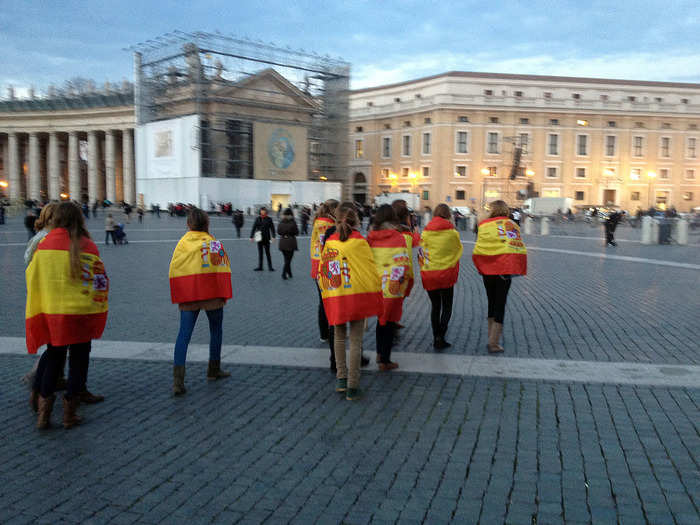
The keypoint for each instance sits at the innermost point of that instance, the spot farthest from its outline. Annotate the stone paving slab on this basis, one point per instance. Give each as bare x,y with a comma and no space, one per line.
278,445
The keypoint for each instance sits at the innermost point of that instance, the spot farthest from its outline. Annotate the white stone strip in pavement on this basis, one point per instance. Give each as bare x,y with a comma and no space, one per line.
627,258
150,241
643,374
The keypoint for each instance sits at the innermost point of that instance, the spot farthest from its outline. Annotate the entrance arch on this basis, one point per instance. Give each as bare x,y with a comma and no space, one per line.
359,187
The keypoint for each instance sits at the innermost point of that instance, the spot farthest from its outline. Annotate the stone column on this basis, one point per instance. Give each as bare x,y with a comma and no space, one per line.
110,171
74,167
92,167
13,166
54,175
34,186
128,167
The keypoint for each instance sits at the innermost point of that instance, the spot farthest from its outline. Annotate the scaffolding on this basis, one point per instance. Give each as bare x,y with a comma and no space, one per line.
211,75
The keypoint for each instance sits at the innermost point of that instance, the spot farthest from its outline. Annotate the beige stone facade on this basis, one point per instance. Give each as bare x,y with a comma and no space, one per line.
451,138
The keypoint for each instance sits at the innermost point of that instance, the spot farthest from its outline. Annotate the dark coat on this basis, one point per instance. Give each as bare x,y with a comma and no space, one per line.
287,230
237,219
265,226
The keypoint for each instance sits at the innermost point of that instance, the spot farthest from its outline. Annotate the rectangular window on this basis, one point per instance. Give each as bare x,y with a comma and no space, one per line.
634,196
687,195
358,129
604,98
493,120
462,118
636,174
524,120
663,173
427,143
576,96
385,173
426,120
406,146
459,195
462,142
525,142
493,142
692,144
492,171
637,146
488,92
552,172
426,195
239,136
460,171
553,148
547,95
518,93
553,121
610,143
404,172
358,149
386,147
205,149
578,196
426,171
580,173
665,147
582,145
690,174
612,124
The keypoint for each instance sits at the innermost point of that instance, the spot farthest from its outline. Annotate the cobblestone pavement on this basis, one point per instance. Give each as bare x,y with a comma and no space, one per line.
278,445
567,307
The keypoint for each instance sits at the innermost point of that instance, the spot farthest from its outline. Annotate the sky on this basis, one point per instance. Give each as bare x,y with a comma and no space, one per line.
385,41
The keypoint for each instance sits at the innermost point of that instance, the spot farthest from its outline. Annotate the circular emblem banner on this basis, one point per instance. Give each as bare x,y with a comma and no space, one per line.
280,148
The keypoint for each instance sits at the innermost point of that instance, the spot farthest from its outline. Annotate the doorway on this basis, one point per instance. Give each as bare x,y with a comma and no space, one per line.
609,197
279,198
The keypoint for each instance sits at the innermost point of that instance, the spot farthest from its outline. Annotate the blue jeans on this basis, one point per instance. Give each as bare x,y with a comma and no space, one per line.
187,322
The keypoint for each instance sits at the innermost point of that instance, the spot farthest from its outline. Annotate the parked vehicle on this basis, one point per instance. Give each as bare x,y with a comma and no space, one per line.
543,206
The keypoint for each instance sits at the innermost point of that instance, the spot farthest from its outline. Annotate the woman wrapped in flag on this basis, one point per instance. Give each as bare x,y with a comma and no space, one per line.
325,219
351,292
499,253
392,260
403,216
438,256
67,289
200,279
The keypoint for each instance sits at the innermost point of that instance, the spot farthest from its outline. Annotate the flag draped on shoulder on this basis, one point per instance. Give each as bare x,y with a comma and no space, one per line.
199,269
350,285
439,254
392,258
499,248
61,309
412,241
318,231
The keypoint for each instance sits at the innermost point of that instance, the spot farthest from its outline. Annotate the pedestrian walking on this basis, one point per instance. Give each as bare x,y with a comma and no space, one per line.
29,221
139,212
67,290
2,213
200,279
438,256
351,291
94,209
238,221
409,231
391,258
305,216
263,233
499,254
110,226
610,225
325,219
287,230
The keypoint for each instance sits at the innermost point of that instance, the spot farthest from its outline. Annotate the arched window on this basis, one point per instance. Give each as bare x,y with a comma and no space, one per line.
360,178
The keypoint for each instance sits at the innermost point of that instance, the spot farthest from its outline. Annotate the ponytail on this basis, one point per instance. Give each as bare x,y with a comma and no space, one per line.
347,220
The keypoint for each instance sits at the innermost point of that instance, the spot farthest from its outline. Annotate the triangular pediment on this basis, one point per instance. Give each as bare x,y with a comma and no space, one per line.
265,86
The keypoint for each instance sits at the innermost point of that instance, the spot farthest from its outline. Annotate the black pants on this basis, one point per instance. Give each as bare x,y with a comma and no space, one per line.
238,231
112,235
609,234
266,245
323,327
441,310
385,340
287,254
497,287
52,362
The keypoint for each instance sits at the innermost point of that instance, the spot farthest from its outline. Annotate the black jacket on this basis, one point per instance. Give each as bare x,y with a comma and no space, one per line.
287,230
237,219
265,226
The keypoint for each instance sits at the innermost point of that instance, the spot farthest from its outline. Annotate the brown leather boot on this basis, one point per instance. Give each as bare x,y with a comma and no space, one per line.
495,338
88,398
214,371
70,418
179,380
45,405
34,400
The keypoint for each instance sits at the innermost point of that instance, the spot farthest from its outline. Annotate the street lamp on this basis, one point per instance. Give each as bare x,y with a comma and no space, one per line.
529,172
485,171
652,176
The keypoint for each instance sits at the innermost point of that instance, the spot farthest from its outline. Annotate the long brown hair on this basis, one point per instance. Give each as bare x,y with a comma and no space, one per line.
442,210
499,209
45,219
402,214
385,213
327,209
69,216
347,220
198,220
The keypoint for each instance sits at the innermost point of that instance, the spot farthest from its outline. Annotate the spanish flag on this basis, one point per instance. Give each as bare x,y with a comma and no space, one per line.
499,249
392,258
62,310
318,231
439,254
350,285
412,241
199,269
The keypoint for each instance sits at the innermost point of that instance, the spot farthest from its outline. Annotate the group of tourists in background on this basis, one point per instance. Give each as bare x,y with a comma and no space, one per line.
357,278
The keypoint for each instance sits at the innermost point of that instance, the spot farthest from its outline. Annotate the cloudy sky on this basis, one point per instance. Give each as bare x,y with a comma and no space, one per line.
385,41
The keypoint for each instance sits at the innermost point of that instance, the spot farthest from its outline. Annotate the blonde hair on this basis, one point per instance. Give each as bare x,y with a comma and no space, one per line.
46,216
499,209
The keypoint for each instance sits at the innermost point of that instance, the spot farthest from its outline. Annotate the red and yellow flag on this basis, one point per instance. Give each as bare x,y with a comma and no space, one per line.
318,231
439,254
499,249
412,241
392,258
350,286
199,269
62,310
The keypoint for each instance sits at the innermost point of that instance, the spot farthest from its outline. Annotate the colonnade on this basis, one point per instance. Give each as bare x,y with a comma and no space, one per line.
49,165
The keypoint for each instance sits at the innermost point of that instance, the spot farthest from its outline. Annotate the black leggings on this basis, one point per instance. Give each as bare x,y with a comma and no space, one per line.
441,311
266,245
287,254
385,340
51,364
497,287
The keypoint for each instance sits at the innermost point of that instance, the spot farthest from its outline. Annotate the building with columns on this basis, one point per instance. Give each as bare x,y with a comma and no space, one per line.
453,138
78,147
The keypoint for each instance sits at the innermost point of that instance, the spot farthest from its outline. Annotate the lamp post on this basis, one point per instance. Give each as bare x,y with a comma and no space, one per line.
651,175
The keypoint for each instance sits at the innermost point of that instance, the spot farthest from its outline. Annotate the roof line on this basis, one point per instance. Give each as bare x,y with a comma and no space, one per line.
511,76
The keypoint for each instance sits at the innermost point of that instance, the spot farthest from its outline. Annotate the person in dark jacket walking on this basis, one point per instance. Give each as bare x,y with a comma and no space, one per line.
29,221
610,226
287,230
305,217
238,221
264,225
